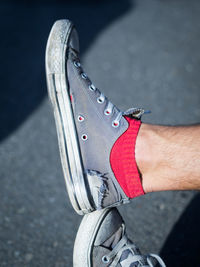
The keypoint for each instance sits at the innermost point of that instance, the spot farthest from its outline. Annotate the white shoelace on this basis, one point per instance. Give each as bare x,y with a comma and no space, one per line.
101,99
135,112
122,246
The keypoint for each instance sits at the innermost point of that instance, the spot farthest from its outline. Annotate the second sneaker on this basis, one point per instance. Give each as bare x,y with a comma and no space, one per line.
101,240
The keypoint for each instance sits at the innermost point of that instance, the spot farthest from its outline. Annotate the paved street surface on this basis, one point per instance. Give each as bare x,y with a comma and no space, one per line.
139,53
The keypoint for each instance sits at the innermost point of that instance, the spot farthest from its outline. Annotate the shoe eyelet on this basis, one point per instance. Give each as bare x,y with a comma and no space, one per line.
84,76
80,118
107,112
115,124
92,87
84,137
99,100
105,259
77,64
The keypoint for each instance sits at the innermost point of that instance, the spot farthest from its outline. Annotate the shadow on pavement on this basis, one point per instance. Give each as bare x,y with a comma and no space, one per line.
182,245
25,26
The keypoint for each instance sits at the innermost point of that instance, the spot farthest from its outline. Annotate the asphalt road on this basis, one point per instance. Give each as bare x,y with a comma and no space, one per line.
139,53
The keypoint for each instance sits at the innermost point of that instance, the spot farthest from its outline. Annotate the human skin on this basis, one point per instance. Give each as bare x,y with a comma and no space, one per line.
168,157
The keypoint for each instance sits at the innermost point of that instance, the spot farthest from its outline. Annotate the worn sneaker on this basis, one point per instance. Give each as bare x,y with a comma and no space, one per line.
98,162
102,241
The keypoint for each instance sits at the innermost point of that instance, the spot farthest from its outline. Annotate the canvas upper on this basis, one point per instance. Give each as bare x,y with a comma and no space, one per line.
88,125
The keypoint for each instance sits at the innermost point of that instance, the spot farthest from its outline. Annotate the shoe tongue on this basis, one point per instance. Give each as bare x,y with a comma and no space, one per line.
113,240
110,231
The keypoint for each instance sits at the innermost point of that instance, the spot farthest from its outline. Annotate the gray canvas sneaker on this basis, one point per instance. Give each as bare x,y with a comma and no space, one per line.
102,241
87,123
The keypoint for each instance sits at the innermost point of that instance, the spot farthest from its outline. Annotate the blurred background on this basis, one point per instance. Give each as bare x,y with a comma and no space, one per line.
139,53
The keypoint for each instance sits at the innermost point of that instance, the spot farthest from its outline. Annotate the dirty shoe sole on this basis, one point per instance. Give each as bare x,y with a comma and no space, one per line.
57,83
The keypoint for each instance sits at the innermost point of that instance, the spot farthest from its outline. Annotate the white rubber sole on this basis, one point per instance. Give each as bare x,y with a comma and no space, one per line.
85,238
58,90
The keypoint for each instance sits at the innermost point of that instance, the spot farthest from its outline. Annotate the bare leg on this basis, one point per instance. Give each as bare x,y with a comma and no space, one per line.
168,157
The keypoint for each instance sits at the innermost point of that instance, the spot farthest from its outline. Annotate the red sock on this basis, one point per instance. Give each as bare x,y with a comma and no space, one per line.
123,163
